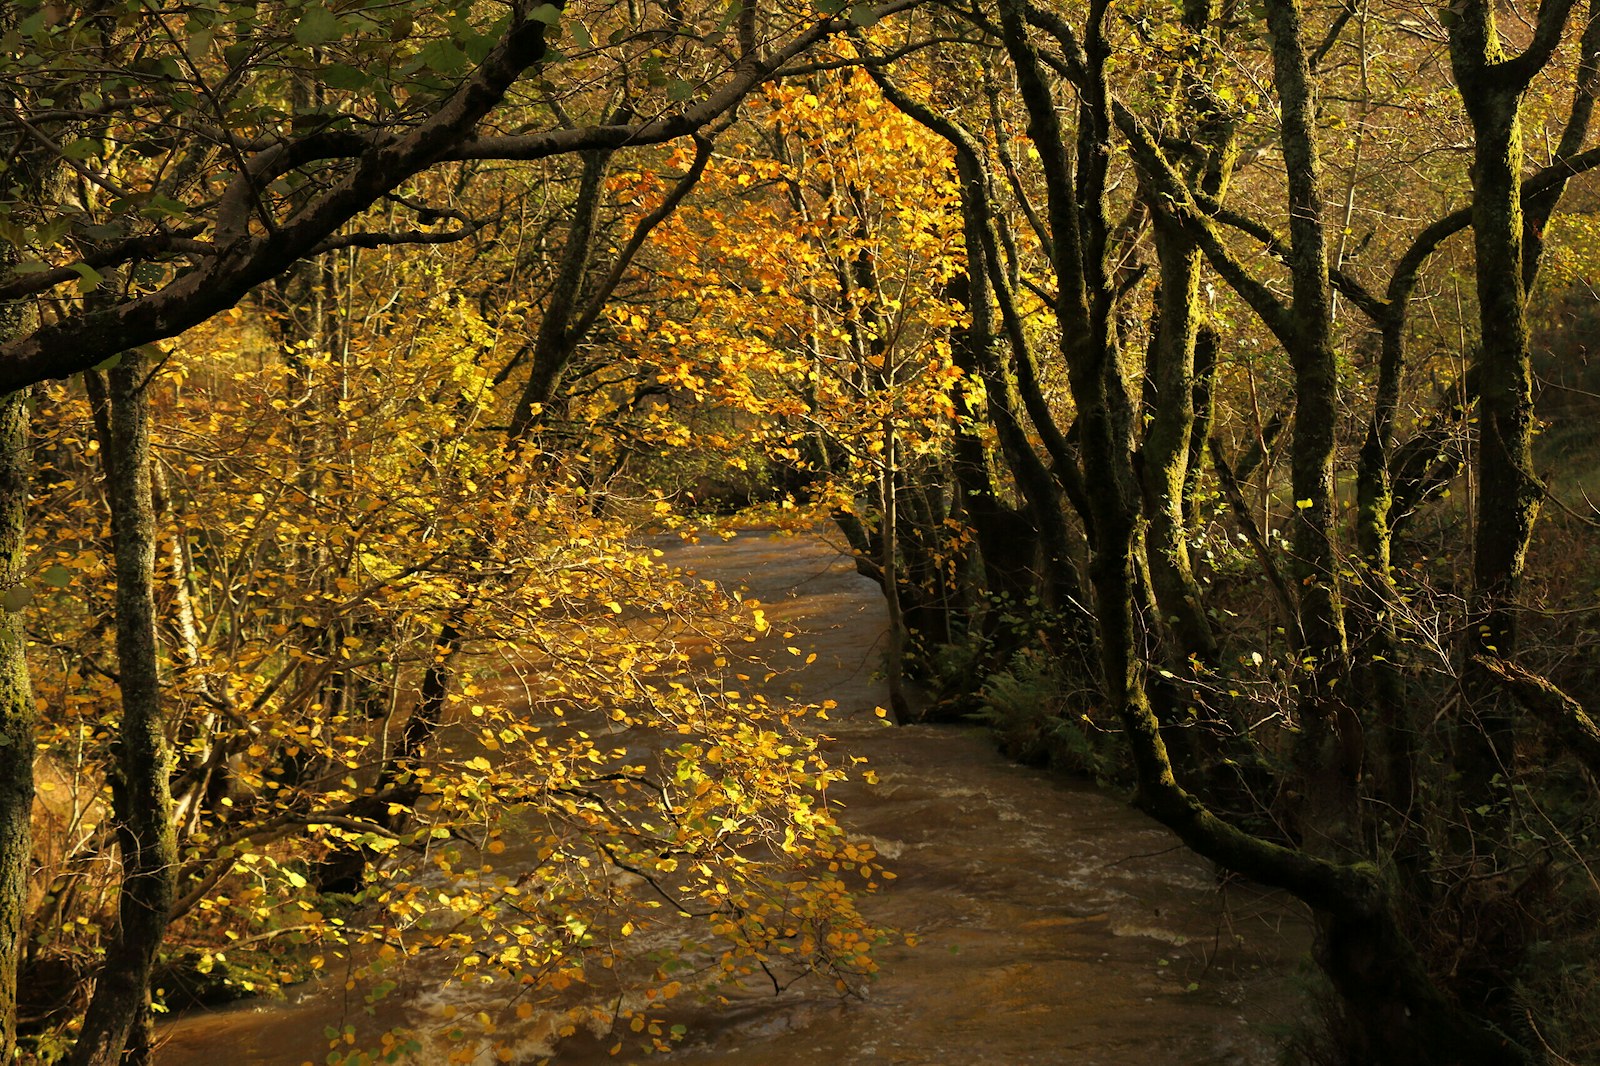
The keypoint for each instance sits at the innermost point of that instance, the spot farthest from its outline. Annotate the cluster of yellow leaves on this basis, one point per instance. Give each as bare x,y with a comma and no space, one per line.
599,812
769,315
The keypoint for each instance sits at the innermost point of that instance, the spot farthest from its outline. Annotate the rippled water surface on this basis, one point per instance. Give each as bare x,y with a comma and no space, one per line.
1055,924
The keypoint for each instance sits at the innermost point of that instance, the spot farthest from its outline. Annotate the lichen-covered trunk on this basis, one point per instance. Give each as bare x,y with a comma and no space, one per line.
16,705
1507,486
141,799
1329,752
1492,90
1171,417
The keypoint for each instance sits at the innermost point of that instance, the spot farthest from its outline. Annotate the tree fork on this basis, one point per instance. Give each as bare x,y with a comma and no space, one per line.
1492,87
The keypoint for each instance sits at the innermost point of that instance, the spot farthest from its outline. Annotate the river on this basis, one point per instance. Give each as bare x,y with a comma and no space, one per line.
1054,924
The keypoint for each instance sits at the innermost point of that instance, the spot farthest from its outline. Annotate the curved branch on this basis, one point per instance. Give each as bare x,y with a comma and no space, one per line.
368,239
141,247
1178,202
1565,716
381,165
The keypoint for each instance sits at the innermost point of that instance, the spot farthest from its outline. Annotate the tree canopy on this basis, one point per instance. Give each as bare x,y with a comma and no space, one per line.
1197,369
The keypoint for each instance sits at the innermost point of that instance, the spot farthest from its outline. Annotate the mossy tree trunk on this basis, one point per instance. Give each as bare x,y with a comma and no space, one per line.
1176,374
1493,86
1170,425
141,800
16,705
1330,746
1362,944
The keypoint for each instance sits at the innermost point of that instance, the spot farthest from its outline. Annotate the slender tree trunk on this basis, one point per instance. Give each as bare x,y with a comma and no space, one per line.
1492,88
1330,748
889,500
1376,649
1171,417
554,342
1205,381
16,705
142,803
22,177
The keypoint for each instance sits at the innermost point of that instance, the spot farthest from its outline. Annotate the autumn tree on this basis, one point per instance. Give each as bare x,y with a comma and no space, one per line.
1174,129
208,152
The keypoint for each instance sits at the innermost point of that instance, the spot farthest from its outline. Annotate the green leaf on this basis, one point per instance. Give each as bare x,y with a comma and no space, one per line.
318,26
442,57
16,598
344,76
863,15
477,46
199,44
549,14
57,577
164,207
81,149
89,278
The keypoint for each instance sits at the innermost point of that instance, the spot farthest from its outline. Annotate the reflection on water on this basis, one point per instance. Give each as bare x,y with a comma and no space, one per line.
1054,924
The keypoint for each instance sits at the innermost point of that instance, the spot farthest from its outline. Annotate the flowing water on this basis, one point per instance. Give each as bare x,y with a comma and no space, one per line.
1055,924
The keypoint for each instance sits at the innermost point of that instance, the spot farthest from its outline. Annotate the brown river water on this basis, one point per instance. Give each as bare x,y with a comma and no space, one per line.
1055,925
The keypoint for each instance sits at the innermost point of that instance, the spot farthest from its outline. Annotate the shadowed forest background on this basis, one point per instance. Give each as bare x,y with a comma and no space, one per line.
1206,386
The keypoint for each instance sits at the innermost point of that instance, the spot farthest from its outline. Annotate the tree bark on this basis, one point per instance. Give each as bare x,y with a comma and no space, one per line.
554,343
141,801
1330,745
1572,725
1179,366
1170,379
1492,88
16,704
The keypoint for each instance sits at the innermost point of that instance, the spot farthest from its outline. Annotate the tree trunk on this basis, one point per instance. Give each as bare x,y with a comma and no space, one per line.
16,706
1170,378
554,343
21,179
142,803
889,498
1329,752
1492,89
